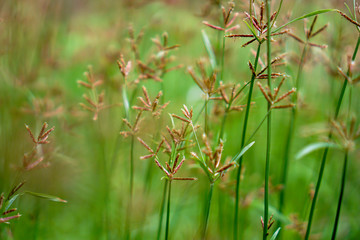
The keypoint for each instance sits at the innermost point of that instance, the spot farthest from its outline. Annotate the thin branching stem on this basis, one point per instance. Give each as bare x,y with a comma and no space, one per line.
207,211
168,212
162,208
343,179
247,111
206,116
227,110
258,127
268,131
323,160
290,135
222,58
131,187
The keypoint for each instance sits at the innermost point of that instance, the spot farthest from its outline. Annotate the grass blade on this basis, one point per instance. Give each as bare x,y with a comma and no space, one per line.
305,16
209,50
276,233
11,201
313,147
242,152
46,196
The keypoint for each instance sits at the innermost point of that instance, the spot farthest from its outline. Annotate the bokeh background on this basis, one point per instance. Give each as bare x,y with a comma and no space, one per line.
45,48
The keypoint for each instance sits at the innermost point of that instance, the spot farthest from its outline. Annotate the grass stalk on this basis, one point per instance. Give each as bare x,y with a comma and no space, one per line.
268,130
267,170
290,134
247,111
206,116
167,228
207,211
227,110
343,179
323,160
131,189
162,208
222,58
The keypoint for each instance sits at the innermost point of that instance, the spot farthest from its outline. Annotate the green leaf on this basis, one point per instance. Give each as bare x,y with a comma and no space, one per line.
209,50
313,147
11,201
126,103
305,16
172,121
275,234
242,152
46,196
349,10
252,31
204,167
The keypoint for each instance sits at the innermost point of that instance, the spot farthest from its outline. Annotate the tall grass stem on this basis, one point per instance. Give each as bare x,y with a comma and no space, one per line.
343,179
323,161
268,131
167,228
247,111
207,211
162,208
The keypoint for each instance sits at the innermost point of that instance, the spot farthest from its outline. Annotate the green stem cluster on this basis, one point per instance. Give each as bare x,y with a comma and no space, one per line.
247,111
324,157
268,131
167,228
343,179
207,211
290,135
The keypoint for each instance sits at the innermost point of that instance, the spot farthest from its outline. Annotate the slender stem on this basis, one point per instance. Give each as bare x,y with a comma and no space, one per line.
289,138
206,113
227,110
131,180
268,131
222,128
236,216
258,127
162,208
132,165
323,161
222,58
118,141
267,170
343,179
168,213
207,211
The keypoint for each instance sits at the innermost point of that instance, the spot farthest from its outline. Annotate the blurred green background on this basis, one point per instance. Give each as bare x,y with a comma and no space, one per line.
46,46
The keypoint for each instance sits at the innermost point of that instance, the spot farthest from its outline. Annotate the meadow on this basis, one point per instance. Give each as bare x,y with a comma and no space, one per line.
179,119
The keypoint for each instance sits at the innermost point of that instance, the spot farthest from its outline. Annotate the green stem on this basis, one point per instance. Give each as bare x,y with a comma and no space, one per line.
267,170
268,132
323,161
222,128
290,135
132,165
206,113
119,138
207,211
258,127
343,179
236,216
162,208
131,180
168,213
227,110
222,58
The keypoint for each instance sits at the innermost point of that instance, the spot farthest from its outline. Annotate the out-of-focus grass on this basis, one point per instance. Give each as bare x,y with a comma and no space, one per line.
46,47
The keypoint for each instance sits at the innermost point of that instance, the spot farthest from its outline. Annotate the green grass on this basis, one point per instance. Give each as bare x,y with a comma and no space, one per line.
113,194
